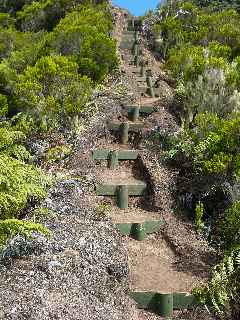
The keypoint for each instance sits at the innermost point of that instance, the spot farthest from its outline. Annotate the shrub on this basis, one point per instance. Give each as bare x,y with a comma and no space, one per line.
230,226
3,105
7,39
98,17
40,15
19,183
58,153
216,144
52,90
199,211
222,291
29,47
6,21
12,6
46,14
13,227
8,78
97,57
84,34
212,93
10,144
186,63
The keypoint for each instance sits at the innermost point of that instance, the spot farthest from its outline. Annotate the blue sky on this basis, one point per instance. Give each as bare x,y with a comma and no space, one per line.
137,7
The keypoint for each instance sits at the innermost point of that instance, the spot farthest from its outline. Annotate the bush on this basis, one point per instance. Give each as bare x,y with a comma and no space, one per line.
29,47
97,57
58,153
19,183
13,227
230,227
10,144
222,291
6,21
3,105
52,90
84,34
211,93
46,14
216,144
40,15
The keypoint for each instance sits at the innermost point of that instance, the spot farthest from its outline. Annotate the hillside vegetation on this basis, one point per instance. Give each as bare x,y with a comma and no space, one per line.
53,54
200,41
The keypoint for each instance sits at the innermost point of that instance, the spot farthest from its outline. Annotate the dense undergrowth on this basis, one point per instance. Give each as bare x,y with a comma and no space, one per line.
53,54
200,42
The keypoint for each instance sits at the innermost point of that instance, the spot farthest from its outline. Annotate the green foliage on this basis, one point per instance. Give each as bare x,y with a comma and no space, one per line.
12,227
29,47
215,150
40,213
97,57
222,291
10,144
198,26
19,183
52,90
186,63
40,15
7,39
58,153
198,221
103,209
45,83
202,48
8,78
84,34
43,14
12,6
94,18
3,105
230,226
6,21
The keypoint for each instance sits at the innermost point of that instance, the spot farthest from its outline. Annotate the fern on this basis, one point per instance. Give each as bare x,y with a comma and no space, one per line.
223,288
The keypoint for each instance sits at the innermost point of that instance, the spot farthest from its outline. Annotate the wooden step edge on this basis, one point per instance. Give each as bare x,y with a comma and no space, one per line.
115,126
150,226
163,303
103,154
138,189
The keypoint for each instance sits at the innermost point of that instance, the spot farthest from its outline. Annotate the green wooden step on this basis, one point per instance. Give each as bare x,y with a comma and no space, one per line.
163,304
129,229
133,127
124,128
143,109
103,154
111,190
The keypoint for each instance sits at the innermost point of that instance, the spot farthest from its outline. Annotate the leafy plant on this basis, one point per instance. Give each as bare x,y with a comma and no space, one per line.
222,291
230,226
97,57
52,90
10,143
13,227
19,184
3,105
58,153
198,221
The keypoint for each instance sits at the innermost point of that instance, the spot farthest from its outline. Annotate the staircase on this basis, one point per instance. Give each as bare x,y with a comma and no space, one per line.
121,181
